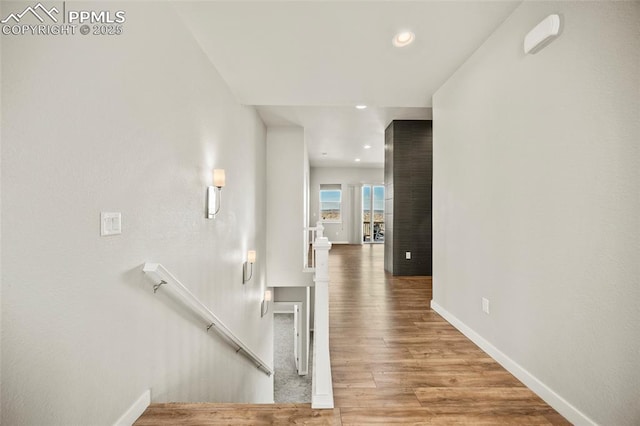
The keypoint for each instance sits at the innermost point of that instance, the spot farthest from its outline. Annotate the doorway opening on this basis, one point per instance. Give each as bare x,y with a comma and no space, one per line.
373,214
292,381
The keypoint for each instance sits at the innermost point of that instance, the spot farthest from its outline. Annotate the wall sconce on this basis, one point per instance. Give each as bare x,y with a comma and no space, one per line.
265,303
542,34
213,193
247,271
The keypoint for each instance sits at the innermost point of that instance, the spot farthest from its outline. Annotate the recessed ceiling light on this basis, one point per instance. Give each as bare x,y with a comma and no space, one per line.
357,160
403,39
367,146
361,107
324,154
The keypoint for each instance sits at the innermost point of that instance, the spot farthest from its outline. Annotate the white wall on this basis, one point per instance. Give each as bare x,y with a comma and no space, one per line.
287,192
287,217
351,180
1,14
536,201
131,123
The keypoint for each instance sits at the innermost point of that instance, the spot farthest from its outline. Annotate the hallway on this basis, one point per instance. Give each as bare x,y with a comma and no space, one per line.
394,360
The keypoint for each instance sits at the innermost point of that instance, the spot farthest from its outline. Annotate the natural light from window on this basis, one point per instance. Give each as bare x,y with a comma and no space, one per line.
331,205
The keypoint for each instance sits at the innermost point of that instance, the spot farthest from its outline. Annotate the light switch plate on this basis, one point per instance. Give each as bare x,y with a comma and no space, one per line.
110,223
485,305
407,255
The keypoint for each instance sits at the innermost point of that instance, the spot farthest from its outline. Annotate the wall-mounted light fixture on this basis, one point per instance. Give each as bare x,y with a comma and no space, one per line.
542,34
265,303
213,193
247,270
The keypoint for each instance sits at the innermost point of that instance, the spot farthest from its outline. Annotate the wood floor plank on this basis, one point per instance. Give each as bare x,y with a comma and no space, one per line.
357,341
375,397
235,414
445,379
446,352
352,379
415,416
482,400
433,365
365,354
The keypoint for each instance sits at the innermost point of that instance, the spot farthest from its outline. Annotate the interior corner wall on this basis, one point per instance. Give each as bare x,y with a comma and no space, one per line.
536,201
307,193
351,179
132,123
287,192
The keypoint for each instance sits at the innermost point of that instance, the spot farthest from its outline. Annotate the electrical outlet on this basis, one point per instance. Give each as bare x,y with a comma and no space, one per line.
485,305
407,255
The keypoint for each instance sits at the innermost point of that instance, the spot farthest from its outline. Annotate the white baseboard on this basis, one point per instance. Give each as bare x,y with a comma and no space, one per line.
321,401
560,404
135,411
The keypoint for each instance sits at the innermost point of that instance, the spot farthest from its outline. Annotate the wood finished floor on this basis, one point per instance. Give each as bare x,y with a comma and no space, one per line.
394,361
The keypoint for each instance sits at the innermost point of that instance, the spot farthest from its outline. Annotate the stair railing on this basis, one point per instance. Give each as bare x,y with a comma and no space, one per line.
165,281
321,385
311,234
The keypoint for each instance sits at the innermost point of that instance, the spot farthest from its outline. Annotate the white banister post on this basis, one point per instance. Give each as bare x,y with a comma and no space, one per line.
322,392
319,230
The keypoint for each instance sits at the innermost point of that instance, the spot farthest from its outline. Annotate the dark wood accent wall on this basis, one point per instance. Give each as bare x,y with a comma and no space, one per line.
408,176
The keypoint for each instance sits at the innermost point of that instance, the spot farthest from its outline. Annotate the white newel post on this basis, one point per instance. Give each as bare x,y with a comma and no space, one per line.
322,392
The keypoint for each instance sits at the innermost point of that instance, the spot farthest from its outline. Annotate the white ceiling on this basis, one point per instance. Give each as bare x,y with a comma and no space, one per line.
342,132
309,62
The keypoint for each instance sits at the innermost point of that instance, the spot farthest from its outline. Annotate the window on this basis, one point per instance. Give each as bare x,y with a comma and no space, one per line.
373,213
331,203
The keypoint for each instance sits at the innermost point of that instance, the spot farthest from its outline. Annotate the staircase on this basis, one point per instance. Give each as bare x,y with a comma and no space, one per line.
236,414
322,412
